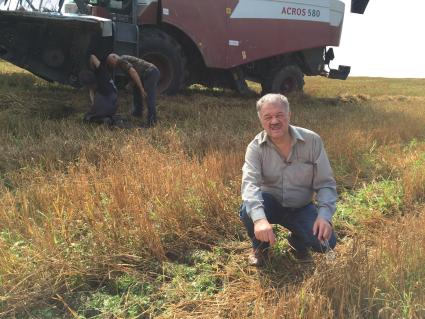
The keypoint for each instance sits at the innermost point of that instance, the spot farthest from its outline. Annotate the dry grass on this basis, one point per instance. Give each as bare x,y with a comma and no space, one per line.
376,274
82,206
136,201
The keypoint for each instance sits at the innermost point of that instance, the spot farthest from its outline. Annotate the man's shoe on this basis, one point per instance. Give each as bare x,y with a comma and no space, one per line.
108,121
302,256
258,257
146,125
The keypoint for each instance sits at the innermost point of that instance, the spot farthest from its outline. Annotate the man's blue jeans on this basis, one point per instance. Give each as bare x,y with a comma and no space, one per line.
150,81
298,220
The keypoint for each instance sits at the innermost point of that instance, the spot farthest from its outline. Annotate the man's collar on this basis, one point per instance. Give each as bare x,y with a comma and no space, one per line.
263,137
295,135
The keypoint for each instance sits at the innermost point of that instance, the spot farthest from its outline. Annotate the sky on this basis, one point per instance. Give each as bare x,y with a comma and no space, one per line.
387,41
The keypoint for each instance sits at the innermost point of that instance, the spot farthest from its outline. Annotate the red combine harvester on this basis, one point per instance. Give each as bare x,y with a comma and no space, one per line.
213,42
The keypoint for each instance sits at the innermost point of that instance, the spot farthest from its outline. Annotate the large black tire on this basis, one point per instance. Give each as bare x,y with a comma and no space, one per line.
284,79
167,54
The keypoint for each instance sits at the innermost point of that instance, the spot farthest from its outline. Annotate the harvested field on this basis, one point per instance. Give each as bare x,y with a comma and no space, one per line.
99,222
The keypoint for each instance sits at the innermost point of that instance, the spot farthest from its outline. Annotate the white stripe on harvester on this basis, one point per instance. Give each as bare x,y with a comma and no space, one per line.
301,10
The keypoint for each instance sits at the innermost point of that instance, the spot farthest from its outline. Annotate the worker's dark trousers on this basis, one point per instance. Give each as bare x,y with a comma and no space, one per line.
103,106
150,81
298,220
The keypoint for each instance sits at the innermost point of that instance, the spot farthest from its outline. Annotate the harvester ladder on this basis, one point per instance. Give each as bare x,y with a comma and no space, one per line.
126,39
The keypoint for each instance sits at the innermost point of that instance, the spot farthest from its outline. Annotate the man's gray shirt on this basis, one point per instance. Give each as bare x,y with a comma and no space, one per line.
293,181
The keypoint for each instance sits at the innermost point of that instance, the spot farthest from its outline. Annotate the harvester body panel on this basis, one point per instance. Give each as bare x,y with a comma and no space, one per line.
229,33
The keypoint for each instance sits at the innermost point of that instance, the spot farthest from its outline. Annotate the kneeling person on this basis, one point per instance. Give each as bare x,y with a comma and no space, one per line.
102,90
284,167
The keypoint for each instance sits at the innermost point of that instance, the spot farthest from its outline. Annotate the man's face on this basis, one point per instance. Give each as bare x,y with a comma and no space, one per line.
274,120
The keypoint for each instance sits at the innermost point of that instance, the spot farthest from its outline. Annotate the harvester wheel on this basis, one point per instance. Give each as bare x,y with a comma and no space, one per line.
162,50
284,79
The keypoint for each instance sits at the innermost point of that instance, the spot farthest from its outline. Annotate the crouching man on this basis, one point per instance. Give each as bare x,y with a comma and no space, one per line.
285,166
102,91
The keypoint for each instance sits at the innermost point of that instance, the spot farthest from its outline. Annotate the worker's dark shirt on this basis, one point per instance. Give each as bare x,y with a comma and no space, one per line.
125,62
105,84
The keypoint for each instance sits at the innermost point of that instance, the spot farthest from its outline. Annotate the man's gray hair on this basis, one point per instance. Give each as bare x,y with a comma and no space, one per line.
273,98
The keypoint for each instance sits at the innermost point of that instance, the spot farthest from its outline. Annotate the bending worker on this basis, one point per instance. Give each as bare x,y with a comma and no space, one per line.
145,77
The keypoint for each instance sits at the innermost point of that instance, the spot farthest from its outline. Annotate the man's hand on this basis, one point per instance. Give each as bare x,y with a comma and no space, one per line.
322,229
264,232
137,81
